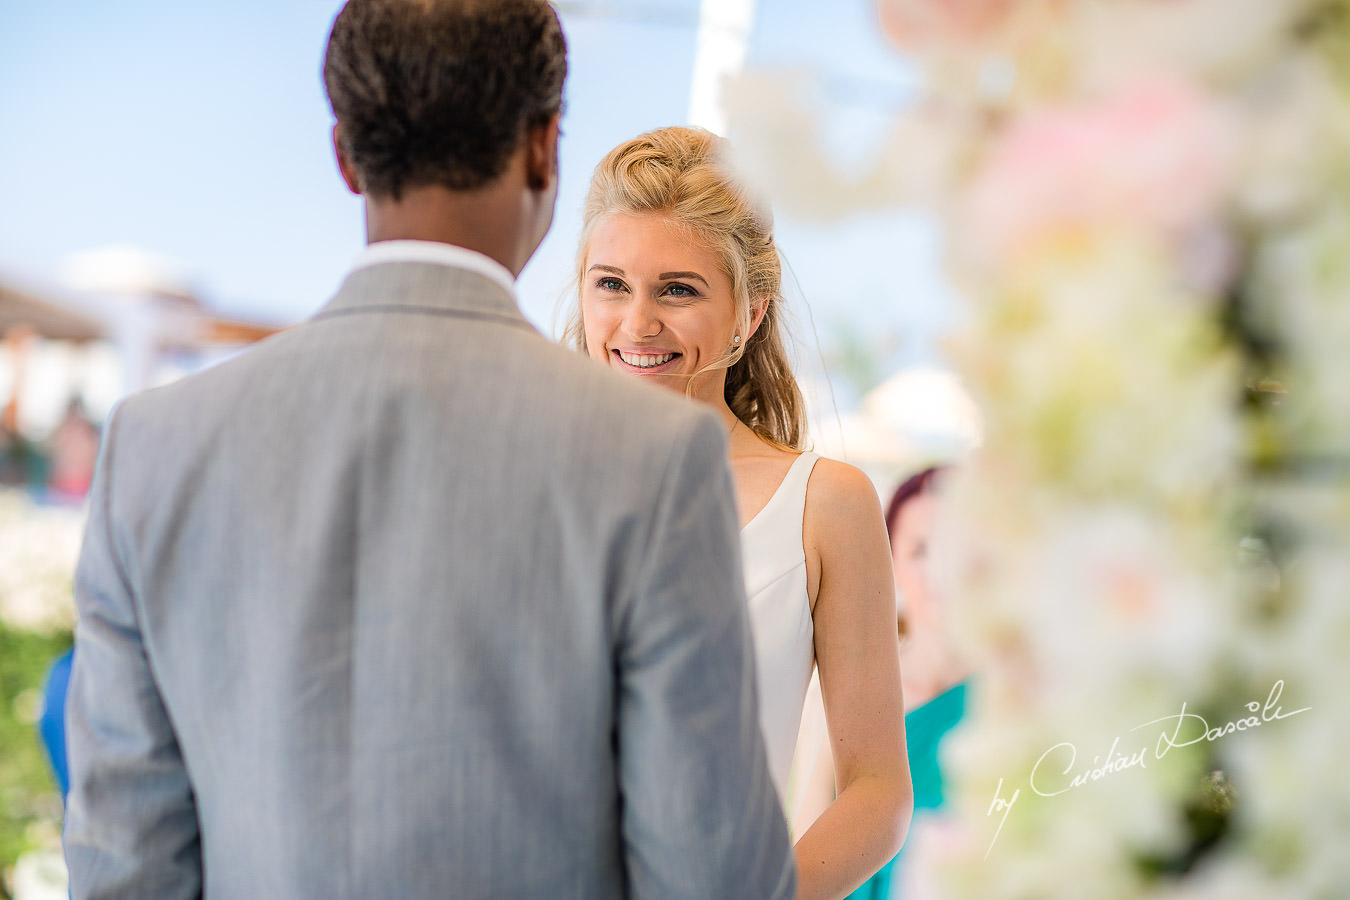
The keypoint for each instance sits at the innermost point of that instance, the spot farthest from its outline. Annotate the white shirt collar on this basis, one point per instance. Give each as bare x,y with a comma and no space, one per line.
440,254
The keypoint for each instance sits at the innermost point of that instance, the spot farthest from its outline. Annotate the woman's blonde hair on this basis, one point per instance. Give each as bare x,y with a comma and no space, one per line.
679,173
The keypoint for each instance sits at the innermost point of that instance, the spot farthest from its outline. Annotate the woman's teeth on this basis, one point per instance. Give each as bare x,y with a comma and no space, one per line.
644,361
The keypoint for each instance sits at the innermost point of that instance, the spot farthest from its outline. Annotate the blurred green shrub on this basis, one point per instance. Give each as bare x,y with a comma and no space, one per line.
28,793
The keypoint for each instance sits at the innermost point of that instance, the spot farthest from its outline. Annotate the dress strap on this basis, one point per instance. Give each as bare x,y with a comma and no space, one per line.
793,487
780,521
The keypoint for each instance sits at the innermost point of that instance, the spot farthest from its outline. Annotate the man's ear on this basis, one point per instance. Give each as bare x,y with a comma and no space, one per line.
541,155
344,162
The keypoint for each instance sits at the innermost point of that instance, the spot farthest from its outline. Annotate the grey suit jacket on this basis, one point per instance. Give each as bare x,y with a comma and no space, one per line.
409,602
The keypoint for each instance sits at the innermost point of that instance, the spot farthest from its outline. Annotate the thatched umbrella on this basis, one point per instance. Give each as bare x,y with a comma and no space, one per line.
152,306
24,316
20,309
138,302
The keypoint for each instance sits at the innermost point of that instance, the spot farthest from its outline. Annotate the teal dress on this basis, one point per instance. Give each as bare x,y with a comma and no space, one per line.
925,727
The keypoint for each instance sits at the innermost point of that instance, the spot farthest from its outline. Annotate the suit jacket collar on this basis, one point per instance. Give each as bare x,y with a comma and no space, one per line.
436,252
429,278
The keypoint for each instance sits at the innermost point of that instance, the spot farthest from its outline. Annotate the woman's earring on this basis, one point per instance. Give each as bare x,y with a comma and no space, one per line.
736,339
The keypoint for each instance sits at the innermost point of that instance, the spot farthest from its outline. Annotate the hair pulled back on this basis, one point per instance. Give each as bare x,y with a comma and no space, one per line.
680,174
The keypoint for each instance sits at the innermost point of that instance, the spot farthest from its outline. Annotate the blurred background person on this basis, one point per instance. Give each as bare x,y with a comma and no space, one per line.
931,673
929,667
74,451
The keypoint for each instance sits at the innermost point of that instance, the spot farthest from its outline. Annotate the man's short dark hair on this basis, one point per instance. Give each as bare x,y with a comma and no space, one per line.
441,91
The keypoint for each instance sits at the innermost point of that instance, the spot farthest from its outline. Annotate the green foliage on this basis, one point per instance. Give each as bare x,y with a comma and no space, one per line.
1326,27
28,792
1208,814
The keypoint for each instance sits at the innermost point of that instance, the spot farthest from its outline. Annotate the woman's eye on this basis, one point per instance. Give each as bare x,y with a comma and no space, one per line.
609,284
681,290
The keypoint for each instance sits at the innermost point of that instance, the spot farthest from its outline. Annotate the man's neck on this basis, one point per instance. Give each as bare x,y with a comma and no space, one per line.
485,220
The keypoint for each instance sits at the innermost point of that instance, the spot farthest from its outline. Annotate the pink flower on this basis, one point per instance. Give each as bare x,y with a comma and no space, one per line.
925,24
1151,157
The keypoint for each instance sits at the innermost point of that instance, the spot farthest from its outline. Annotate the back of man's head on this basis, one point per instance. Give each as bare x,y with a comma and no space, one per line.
441,92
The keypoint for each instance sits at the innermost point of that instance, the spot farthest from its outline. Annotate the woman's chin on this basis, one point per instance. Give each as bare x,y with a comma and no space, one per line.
671,381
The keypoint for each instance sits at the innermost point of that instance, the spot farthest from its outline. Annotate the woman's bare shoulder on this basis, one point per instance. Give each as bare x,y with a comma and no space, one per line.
839,491
844,536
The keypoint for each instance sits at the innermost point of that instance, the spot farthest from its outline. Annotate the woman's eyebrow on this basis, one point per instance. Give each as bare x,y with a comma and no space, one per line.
613,270
666,276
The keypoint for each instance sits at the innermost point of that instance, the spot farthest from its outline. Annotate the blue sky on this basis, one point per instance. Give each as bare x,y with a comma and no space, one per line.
199,131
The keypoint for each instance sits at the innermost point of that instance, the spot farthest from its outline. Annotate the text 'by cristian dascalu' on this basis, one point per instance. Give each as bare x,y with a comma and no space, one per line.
1057,771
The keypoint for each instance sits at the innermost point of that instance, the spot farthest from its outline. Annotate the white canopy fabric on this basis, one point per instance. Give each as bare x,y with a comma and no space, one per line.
917,417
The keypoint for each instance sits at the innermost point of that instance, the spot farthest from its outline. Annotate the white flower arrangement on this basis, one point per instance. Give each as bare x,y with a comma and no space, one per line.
38,550
1148,210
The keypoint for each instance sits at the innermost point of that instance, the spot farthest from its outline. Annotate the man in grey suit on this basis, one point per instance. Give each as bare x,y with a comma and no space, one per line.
409,602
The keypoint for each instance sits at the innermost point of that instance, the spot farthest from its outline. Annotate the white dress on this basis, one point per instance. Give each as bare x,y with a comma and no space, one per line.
780,616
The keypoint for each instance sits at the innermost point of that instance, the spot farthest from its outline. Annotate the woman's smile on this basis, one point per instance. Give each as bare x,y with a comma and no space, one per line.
645,361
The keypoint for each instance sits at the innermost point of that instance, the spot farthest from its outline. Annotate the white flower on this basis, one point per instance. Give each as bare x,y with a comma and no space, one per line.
1220,39
777,151
38,551
1228,876
1295,133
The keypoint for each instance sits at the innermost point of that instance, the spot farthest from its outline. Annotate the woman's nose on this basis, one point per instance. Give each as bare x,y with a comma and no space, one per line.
642,318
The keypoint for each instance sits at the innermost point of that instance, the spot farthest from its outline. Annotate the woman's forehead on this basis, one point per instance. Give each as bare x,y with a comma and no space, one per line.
653,244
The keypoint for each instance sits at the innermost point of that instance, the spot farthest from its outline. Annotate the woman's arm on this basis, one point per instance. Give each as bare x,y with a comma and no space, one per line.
857,655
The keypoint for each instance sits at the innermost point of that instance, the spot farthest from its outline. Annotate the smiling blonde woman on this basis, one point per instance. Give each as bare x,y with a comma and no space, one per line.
680,285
